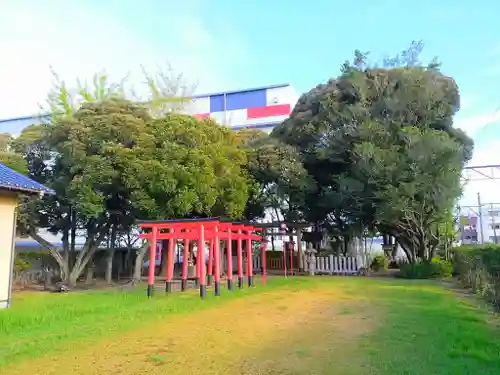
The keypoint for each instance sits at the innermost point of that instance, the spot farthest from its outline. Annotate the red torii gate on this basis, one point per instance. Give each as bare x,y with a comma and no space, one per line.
202,230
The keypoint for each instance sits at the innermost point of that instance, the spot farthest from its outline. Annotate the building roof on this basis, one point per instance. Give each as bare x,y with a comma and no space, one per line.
14,181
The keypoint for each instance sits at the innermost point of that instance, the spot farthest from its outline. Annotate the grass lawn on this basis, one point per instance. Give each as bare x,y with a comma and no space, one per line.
321,325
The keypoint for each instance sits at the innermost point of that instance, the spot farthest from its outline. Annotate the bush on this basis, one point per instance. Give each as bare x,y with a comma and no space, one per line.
442,268
437,268
478,267
380,262
21,265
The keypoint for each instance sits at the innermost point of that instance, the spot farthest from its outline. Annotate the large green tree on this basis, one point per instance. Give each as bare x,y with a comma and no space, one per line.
36,145
78,164
332,123
112,163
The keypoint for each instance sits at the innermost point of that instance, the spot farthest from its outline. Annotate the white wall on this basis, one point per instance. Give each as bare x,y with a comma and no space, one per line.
8,203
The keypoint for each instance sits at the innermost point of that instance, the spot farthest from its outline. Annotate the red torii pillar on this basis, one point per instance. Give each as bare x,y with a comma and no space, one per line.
240,260
216,256
224,231
201,260
227,233
249,238
263,247
229,254
210,266
152,261
240,236
249,260
185,264
170,262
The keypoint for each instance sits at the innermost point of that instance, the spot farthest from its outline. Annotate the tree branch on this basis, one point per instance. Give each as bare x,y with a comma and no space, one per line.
48,246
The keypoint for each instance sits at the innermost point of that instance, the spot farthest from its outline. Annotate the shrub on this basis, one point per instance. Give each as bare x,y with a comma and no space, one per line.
478,267
437,268
442,268
415,271
21,265
380,262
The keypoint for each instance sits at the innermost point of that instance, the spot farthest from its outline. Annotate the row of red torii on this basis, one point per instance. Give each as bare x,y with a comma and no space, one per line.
212,230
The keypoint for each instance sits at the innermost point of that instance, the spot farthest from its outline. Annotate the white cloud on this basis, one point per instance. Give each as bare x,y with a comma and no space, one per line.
78,40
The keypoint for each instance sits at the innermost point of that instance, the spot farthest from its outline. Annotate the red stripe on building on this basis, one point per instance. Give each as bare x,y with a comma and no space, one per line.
268,111
202,115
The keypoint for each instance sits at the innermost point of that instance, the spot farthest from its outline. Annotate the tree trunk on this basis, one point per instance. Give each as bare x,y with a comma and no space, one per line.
128,258
69,275
108,274
119,268
139,261
432,252
61,262
89,278
65,242
85,256
128,262
407,247
300,251
110,256
72,252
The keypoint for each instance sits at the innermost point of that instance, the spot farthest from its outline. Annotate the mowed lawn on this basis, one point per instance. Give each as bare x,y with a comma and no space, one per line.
321,325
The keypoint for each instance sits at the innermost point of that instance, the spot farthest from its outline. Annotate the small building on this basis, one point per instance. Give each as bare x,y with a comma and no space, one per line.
12,185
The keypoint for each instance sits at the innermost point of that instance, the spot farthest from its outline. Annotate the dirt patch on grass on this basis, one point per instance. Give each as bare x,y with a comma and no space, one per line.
265,334
326,343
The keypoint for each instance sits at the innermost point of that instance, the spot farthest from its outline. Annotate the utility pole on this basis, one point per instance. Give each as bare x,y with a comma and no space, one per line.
480,210
493,223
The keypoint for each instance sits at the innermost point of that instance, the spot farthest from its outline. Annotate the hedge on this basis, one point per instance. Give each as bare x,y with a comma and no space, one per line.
478,267
437,268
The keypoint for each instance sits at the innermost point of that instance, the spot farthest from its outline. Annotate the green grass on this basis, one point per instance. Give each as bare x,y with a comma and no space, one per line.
39,323
429,330
420,327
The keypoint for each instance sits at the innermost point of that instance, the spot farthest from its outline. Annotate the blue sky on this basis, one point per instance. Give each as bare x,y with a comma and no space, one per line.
228,44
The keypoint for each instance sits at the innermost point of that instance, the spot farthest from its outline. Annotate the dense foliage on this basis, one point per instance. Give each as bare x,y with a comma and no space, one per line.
478,268
379,263
111,163
379,147
436,268
278,172
8,155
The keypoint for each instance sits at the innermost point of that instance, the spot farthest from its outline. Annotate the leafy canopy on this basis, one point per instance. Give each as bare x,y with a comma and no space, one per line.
379,145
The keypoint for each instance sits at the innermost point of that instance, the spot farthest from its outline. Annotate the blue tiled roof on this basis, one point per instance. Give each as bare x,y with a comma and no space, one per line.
14,181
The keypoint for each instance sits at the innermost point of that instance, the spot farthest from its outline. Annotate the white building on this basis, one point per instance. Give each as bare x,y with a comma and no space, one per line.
260,107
